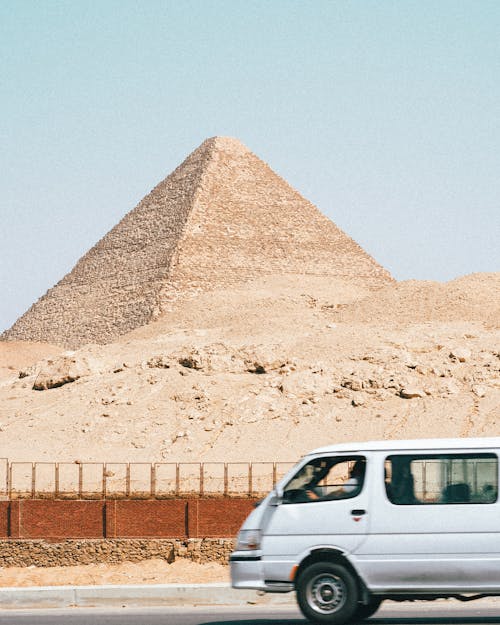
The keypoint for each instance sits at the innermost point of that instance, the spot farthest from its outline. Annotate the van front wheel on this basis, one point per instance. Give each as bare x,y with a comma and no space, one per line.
365,610
327,593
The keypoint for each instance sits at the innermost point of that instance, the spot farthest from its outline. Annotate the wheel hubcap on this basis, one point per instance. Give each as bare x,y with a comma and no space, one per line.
326,593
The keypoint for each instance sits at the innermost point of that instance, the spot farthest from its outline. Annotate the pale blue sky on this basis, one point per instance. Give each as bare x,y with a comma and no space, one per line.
384,114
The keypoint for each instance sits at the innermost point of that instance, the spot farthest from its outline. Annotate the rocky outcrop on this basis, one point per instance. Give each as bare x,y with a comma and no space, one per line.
55,372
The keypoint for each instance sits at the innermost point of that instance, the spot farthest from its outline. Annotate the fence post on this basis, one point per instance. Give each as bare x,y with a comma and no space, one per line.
250,479
80,480
127,481
56,479
177,479
33,480
153,480
7,465
9,482
226,480
201,479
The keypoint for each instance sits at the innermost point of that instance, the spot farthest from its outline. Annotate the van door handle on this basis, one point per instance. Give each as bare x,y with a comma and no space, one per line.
358,512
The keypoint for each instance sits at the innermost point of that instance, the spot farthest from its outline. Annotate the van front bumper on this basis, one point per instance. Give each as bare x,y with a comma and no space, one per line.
247,571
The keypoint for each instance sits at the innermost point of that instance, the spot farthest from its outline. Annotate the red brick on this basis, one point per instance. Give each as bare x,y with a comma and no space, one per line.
4,518
217,518
150,518
14,519
59,519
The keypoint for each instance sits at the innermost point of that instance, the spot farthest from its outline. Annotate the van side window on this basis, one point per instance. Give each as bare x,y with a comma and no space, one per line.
328,478
442,478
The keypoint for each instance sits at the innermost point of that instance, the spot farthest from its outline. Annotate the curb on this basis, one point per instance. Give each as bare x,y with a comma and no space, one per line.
136,596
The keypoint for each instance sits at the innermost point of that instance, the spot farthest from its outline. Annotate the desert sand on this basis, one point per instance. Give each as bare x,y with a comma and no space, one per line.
262,373
154,571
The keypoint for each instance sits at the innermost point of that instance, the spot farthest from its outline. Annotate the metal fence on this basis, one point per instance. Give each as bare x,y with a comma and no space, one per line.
127,480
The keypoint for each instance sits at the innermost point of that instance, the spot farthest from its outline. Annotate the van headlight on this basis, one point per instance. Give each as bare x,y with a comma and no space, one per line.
248,540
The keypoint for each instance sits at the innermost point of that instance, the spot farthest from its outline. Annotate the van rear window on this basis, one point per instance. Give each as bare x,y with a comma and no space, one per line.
414,479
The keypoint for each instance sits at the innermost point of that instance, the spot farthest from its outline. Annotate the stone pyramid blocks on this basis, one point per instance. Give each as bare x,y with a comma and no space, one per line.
221,219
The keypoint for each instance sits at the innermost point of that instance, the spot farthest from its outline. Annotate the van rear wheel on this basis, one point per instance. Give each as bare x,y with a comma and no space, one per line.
327,593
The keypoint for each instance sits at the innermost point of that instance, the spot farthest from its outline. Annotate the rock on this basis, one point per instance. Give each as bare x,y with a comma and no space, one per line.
393,383
383,394
462,354
450,388
479,390
192,359
358,400
158,362
343,394
373,383
352,383
411,392
180,434
305,385
262,360
439,372
63,370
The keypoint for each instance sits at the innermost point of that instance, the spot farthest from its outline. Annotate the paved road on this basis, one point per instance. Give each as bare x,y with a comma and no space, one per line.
406,614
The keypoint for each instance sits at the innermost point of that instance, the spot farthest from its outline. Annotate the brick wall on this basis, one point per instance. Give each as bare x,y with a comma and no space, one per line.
168,518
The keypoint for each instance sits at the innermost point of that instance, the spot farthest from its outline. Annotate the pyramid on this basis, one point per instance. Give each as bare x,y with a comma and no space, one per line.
221,219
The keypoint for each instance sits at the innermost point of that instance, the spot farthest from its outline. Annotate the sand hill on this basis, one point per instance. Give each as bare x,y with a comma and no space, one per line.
473,298
221,219
263,372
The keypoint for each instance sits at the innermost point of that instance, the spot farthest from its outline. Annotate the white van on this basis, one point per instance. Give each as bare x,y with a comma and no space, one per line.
354,524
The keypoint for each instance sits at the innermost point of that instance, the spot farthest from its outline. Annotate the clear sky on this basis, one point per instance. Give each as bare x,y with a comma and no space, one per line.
385,114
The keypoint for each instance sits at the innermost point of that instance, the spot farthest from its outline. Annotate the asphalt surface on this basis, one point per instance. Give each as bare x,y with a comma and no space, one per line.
399,614
155,616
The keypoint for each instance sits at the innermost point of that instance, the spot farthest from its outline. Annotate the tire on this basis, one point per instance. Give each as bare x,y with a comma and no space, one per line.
327,593
365,610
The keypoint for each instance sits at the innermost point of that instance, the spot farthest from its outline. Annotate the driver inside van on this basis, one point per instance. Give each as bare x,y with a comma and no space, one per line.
349,488
309,484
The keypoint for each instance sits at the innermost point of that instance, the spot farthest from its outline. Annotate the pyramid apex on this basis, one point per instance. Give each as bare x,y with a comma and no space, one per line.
227,144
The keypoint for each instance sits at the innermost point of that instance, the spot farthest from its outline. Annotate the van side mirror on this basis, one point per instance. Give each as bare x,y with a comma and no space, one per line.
276,498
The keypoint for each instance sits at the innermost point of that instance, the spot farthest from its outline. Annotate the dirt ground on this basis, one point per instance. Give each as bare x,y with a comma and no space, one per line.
147,572
264,373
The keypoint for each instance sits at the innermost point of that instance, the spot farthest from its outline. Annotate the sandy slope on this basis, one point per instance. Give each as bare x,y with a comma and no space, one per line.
326,377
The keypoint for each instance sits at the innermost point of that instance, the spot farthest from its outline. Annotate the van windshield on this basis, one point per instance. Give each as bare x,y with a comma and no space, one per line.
326,478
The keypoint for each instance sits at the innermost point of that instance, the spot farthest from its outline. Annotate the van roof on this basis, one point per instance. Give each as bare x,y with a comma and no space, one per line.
413,444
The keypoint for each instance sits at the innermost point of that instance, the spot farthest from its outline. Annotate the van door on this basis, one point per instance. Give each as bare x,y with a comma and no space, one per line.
326,503
436,525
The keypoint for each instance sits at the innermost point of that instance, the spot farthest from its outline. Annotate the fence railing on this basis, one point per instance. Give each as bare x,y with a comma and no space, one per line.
135,480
